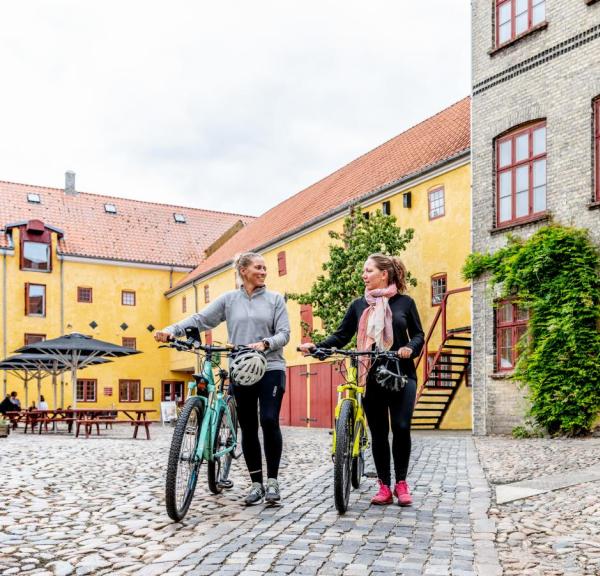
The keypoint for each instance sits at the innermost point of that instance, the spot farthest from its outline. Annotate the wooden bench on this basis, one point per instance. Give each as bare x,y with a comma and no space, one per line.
88,423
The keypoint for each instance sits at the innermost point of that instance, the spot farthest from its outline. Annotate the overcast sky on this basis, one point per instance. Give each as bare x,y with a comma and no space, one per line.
226,105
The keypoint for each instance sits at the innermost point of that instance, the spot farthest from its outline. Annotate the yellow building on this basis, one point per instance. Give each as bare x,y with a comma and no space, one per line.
77,262
423,178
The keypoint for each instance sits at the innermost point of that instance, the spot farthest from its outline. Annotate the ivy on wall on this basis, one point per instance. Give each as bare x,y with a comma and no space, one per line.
332,292
556,275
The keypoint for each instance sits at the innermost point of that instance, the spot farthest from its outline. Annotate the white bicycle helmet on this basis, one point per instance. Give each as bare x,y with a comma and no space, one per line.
247,366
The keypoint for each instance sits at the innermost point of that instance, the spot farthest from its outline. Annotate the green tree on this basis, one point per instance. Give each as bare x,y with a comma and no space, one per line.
556,275
333,291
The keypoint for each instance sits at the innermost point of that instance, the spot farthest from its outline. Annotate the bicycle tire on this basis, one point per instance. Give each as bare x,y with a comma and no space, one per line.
237,452
182,469
218,468
343,457
358,462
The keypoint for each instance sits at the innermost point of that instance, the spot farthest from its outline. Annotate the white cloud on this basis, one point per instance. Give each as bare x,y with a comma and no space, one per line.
224,105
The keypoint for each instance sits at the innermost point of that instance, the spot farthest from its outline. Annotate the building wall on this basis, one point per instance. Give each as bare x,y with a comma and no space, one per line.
439,245
558,79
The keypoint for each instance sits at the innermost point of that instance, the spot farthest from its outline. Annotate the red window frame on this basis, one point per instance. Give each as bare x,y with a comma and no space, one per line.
513,19
129,342
128,293
282,263
432,207
512,169
88,388
436,295
306,322
509,330
206,293
129,390
28,305
30,266
33,338
84,294
170,388
184,304
597,147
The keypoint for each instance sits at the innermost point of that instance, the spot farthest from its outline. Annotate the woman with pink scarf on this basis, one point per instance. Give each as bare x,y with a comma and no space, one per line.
387,319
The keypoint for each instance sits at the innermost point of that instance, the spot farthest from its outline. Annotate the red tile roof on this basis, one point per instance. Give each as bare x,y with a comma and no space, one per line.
140,231
441,137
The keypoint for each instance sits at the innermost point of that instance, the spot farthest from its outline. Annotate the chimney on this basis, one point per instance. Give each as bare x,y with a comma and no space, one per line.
70,182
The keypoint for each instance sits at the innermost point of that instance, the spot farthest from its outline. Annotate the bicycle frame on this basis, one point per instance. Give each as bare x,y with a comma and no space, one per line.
351,391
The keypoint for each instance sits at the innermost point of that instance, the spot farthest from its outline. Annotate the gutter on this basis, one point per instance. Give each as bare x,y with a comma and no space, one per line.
5,251
335,212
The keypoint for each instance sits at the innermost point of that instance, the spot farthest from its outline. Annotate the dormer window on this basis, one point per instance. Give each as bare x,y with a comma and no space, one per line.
33,198
179,218
110,208
36,256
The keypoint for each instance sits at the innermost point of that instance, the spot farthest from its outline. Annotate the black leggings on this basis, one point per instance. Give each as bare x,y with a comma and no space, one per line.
266,394
382,407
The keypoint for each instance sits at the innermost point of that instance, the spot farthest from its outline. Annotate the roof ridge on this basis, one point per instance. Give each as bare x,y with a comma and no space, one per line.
38,187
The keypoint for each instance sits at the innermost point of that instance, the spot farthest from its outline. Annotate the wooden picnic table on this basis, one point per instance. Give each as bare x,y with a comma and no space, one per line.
33,417
90,417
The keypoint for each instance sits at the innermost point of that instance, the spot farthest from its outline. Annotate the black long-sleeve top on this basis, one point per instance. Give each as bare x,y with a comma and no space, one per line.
406,326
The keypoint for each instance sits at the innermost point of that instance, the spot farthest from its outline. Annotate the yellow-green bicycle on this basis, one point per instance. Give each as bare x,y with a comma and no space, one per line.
350,439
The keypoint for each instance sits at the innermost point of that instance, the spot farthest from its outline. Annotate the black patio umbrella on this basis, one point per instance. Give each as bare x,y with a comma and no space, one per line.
77,351
26,366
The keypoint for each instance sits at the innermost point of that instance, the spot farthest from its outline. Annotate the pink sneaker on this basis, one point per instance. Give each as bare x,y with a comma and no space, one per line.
402,493
384,496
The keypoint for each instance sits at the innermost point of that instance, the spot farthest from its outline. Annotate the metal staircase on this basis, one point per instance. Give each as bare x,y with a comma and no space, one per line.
442,376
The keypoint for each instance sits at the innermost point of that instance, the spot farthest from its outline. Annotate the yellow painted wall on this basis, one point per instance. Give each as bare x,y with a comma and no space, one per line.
439,246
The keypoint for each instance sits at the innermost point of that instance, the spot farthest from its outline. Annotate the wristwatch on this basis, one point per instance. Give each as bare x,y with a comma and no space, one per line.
266,344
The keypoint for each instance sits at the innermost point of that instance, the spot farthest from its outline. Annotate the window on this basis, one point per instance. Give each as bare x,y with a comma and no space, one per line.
179,218
33,198
35,256
597,146
439,285
511,324
437,206
281,263
172,390
110,208
35,299
386,208
129,342
86,390
521,174
34,338
184,304
366,215
515,17
84,294
128,298
129,390
206,294
306,322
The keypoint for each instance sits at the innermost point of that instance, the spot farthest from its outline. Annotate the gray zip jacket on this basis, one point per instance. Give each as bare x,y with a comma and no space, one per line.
262,316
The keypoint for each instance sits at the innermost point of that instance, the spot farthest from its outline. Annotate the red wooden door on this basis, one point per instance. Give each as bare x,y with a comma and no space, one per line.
297,391
284,413
321,412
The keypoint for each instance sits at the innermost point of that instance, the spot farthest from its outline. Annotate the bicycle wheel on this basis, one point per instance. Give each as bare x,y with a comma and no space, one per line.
218,468
237,451
358,462
343,457
183,465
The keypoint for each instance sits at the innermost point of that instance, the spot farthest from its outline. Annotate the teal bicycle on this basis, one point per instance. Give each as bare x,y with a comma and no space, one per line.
206,430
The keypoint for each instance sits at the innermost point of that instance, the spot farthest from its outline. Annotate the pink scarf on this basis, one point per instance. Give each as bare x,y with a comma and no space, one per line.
375,324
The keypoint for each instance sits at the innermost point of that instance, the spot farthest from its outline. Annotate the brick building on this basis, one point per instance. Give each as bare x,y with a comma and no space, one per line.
535,158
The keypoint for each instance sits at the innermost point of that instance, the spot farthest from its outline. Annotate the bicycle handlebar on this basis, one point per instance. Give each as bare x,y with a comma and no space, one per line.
191,345
321,353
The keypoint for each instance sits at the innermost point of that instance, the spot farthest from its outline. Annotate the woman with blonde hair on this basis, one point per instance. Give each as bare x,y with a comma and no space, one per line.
257,318
387,319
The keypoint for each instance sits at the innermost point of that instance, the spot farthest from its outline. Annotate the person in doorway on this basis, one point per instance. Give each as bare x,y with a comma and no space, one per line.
257,318
387,319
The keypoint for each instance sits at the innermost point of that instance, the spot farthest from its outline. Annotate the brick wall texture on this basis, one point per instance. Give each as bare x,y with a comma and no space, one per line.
554,74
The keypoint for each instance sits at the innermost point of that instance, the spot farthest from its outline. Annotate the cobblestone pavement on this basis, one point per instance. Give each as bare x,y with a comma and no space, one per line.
96,506
549,534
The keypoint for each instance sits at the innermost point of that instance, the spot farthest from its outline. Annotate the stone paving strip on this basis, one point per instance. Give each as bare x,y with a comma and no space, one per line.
555,531
96,506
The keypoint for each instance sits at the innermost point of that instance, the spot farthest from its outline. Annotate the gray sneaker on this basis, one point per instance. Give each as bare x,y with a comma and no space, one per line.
272,494
256,494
